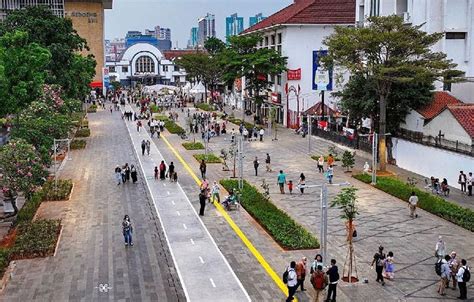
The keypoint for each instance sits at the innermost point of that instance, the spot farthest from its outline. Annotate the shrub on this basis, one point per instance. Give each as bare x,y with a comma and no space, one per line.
92,109
454,213
77,116
161,117
78,144
154,108
278,224
208,159
61,192
174,128
36,239
237,122
28,211
193,146
205,106
4,260
348,160
84,132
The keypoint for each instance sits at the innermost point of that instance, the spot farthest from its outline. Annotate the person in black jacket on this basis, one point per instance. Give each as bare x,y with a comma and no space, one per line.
202,201
333,280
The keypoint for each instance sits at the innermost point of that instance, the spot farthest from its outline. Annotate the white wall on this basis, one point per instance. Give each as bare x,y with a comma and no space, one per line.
413,122
430,161
448,125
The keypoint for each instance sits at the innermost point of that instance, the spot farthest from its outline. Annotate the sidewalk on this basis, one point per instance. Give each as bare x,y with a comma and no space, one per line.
204,272
383,220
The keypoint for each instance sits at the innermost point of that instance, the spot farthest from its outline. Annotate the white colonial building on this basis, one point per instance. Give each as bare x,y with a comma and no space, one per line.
455,18
146,64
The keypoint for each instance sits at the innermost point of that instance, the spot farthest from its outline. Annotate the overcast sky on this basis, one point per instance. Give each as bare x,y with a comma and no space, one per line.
180,15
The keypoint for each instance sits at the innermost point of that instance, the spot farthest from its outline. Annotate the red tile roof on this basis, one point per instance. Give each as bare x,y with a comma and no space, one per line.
440,100
311,12
172,54
464,114
317,110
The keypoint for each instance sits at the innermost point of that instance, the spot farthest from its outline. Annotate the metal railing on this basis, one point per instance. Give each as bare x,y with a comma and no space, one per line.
359,142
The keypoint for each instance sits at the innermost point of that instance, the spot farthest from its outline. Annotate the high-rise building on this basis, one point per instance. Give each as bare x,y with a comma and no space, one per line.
234,25
206,28
193,38
87,19
255,19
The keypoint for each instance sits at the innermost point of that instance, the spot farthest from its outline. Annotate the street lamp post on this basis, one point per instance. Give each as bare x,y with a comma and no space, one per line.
310,128
240,151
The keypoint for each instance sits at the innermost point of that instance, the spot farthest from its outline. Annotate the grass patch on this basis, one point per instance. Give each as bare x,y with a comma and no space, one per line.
155,108
193,146
36,239
316,158
288,233
454,213
62,191
84,132
174,128
208,159
78,144
205,106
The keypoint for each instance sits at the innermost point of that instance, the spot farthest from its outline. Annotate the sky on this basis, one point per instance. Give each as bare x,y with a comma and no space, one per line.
181,15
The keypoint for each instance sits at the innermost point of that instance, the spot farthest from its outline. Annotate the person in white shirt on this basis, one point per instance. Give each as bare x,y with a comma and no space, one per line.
292,281
445,275
261,133
215,193
440,248
469,182
461,281
412,202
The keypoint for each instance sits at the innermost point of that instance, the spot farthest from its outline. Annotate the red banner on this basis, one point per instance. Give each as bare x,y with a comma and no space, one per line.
294,74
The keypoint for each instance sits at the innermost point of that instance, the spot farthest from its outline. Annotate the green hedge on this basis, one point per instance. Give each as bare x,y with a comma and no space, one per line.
454,213
208,159
288,233
205,106
64,187
193,146
36,239
174,128
84,132
78,144
237,122
28,211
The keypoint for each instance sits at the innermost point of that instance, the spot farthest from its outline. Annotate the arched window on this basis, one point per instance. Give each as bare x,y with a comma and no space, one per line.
144,64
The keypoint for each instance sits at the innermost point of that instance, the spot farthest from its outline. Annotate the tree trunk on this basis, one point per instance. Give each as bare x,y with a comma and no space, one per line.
382,131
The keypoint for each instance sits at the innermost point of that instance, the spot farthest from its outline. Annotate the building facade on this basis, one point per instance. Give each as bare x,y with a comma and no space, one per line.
234,25
150,37
255,19
87,17
454,18
206,28
193,38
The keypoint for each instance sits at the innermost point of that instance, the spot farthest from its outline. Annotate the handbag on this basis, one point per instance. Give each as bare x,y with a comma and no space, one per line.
354,234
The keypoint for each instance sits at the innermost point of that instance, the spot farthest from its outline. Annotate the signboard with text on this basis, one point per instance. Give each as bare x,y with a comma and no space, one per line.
322,79
294,74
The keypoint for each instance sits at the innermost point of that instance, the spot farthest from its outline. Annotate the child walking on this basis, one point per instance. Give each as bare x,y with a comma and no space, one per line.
290,186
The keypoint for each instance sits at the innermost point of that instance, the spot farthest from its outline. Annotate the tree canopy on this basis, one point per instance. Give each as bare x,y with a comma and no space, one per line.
387,52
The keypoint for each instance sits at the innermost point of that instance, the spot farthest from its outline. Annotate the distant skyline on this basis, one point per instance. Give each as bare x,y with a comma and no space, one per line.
181,15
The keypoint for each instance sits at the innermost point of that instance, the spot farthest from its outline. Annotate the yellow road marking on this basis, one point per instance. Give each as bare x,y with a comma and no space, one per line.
276,278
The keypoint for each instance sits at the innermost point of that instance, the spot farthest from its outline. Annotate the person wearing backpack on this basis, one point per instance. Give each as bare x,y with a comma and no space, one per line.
319,280
290,278
333,280
379,261
463,276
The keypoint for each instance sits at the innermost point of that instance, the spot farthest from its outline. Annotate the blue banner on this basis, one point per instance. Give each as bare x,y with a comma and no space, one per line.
322,79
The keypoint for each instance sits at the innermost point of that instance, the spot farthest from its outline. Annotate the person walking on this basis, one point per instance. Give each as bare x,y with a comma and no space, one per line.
454,267
256,163
281,180
302,183
143,147
292,283
118,175
330,160
389,266
321,164
202,201
156,172
412,202
319,280
261,133
318,260
127,230
162,170
333,280
268,163
203,168
469,181
330,174
440,248
127,172
215,193
462,179
301,273
463,276
378,260
445,275
139,125
133,174
171,171
147,146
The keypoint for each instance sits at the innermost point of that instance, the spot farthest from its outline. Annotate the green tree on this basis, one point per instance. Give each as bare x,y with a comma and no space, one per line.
61,39
21,167
348,160
22,73
388,51
214,46
242,58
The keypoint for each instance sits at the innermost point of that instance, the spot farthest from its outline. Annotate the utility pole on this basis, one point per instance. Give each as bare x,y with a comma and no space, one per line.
375,144
241,161
310,128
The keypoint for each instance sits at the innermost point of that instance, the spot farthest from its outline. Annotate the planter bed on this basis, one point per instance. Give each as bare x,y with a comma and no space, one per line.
454,213
84,132
92,109
286,232
193,146
209,159
78,144
205,107
63,192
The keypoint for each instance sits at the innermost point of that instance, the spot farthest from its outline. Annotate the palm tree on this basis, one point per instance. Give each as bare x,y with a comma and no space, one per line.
346,201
